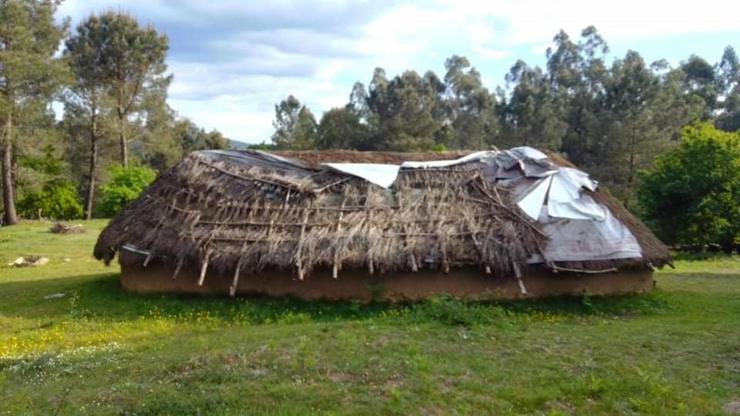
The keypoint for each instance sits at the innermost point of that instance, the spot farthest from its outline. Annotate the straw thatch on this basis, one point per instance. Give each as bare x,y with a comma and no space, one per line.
243,212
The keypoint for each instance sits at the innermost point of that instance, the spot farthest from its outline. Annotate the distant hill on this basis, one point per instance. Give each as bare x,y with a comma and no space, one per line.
237,145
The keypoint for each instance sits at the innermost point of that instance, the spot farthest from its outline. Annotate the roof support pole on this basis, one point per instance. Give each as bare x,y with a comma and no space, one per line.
204,268
299,248
232,289
518,274
337,262
177,268
369,221
404,231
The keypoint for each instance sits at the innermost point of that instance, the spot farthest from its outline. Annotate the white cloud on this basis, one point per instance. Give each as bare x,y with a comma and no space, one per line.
234,60
490,53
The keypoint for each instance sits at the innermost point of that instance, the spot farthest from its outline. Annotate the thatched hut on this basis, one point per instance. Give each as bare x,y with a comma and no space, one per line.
373,225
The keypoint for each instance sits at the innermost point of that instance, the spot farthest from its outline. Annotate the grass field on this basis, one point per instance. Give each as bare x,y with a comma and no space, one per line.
99,350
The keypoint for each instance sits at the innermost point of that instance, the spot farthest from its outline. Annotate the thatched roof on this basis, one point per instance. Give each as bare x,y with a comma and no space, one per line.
248,211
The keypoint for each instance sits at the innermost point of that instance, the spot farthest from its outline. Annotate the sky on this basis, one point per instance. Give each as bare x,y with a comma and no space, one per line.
234,60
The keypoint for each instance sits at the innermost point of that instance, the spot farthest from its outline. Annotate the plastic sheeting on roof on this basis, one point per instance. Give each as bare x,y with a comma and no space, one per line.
377,173
583,240
560,188
473,157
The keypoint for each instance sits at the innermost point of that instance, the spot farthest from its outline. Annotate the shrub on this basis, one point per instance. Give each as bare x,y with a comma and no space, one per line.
439,148
125,186
692,196
56,199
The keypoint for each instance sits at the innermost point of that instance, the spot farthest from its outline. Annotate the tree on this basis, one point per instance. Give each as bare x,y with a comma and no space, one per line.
577,74
701,81
29,75
357,104
86,101
125,186
190,137
531,116
295,125
403,111
728,86
470,108
693,194
129,59
340,128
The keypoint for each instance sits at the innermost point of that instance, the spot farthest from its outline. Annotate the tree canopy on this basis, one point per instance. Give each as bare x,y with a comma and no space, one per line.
692,196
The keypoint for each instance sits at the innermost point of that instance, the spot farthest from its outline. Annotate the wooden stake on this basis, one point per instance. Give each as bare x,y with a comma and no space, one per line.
336,266
369,213
232,289
299,248
203,269
177,268
519,278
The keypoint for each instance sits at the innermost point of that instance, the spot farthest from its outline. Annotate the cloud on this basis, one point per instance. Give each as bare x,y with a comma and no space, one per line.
233,60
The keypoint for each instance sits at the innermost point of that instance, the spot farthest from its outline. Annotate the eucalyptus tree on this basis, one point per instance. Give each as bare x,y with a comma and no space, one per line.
404,109
470,107
728,86
577,74
30,74
701,81
341,128
531,114
295,125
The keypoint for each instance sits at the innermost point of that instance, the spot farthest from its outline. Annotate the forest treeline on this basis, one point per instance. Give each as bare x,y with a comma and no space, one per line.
610,116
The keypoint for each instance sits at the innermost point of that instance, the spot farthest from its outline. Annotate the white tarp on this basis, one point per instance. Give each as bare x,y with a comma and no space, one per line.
533,200
473,157
377,173
566,200
528,152
582,240
562,191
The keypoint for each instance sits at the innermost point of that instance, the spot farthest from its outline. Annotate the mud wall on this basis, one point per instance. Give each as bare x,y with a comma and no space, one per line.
471,283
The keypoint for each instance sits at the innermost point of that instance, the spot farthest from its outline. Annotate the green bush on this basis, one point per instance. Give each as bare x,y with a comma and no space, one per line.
56,200
692,196
439,148
125,186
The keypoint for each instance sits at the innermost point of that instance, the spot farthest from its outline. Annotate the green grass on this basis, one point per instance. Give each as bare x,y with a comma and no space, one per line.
99,350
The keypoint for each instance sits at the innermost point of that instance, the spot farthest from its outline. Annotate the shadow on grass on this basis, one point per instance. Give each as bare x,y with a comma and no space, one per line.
101,297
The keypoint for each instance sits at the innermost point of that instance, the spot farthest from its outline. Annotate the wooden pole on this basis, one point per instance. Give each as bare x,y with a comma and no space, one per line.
177,268
232,289
337,262
203,269
518,274
299,248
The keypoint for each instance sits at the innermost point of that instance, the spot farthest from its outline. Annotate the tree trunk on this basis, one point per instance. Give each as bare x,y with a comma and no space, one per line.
124,145
93,166
632,168
10,217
